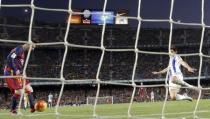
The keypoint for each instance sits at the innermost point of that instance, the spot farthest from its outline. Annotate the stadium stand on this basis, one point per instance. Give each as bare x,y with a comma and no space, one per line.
83,63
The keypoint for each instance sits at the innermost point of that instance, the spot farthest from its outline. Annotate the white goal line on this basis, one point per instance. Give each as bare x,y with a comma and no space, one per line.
145,116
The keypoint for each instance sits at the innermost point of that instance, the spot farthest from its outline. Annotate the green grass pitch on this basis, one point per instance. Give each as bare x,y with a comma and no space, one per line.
147,110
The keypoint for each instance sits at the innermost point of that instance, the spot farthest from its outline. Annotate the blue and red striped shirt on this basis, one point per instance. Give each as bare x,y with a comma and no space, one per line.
15,59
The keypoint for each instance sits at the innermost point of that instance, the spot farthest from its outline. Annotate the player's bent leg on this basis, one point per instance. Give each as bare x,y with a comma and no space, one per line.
175,96
173,90
182,97
31,102
12,85
15,97
29,91
172,93
28,88
179,80
14,103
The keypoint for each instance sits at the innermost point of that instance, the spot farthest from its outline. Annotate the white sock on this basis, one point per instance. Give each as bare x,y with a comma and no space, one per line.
179,97
182,97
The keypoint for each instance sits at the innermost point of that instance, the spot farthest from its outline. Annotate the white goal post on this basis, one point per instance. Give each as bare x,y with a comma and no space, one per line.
101,100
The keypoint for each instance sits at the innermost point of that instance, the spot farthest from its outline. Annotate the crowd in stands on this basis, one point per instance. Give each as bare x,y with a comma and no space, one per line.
82,63
77,95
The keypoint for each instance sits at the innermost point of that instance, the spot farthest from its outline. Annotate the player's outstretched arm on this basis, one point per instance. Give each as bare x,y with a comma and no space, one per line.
161,72
188,67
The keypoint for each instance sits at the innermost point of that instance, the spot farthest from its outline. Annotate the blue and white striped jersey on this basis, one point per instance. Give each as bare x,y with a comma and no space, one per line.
174,65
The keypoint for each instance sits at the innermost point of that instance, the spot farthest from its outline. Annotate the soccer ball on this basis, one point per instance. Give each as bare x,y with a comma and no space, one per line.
40,106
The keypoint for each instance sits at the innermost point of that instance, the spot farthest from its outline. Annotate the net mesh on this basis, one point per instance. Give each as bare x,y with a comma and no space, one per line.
136,50
101,100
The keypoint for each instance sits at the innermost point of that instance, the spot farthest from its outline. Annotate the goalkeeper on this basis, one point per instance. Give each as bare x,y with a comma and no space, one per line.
175,75
13,67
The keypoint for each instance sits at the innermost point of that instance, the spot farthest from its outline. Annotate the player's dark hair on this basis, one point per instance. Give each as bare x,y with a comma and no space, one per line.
173,47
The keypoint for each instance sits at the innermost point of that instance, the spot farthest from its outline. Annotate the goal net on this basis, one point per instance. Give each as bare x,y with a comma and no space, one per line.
86,64
101,100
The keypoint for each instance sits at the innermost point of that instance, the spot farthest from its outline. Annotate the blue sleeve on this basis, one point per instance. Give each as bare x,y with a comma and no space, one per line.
14,65
14,56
